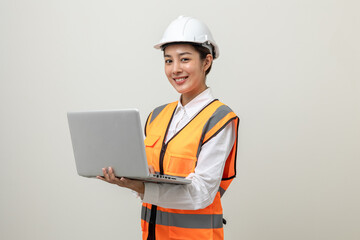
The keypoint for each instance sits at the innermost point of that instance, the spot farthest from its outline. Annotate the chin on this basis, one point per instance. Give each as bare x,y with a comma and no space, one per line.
181,91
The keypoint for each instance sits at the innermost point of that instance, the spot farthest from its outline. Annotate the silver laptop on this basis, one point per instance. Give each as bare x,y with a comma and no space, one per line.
112,138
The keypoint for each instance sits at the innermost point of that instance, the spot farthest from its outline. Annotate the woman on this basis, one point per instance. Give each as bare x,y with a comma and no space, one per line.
195,137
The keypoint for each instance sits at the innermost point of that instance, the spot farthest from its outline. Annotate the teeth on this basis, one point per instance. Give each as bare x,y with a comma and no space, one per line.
180,79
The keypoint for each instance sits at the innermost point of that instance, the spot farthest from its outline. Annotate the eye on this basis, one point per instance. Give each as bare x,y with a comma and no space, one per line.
185,59
168,61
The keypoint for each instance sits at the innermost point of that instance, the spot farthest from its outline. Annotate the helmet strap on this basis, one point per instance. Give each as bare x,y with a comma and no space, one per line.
208,46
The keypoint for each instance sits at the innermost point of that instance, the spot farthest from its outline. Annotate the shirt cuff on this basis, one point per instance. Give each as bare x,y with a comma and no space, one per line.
137,195
151,194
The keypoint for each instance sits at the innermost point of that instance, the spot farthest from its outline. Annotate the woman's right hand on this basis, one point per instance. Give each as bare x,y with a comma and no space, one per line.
136,185
109,176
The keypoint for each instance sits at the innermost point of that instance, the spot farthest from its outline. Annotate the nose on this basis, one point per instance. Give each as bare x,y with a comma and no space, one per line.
177,67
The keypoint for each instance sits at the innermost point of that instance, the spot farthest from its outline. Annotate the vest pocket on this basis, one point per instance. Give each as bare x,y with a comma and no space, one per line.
150,142
180,165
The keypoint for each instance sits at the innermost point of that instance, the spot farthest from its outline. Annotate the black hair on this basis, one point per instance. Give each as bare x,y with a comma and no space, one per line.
203,51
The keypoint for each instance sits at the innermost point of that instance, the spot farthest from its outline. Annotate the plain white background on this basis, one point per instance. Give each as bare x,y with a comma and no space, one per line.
289,69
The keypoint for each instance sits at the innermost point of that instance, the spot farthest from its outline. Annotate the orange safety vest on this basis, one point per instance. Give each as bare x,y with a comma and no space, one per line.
179,157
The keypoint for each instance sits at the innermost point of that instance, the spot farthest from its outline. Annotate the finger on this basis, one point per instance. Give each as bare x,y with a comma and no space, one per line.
100,178
112,176
124,180
106,176
151,169
134,185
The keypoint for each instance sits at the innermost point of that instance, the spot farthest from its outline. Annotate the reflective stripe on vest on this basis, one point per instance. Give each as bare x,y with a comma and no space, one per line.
204,221
179,157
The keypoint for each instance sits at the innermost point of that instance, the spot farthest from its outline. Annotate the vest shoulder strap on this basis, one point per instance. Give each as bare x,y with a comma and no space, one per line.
155,113
218,121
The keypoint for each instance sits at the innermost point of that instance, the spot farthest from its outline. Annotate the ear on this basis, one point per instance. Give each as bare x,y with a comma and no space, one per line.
208,61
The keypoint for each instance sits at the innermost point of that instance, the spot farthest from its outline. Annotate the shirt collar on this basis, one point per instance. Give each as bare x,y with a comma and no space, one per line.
197,104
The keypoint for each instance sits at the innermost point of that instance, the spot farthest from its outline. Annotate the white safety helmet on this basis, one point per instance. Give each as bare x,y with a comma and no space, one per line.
191,30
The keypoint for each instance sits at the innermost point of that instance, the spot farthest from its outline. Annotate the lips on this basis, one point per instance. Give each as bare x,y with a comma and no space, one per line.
180,80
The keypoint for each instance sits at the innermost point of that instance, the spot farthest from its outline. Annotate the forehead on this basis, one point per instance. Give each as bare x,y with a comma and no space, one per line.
176,49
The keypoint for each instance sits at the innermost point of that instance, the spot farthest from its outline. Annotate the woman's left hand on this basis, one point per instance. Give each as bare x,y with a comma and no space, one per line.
109,176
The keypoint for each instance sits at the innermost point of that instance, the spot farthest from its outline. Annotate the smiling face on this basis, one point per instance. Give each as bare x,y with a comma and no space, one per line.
185,70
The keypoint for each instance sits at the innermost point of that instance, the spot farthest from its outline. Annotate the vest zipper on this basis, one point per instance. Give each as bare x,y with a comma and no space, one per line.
162,154
152,223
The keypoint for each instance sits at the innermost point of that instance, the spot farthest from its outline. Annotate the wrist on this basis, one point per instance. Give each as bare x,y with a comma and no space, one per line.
141,189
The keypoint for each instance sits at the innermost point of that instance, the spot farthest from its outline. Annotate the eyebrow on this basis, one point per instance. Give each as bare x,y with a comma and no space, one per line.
181,54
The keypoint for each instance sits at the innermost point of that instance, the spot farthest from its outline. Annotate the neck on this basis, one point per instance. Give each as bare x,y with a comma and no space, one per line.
187,97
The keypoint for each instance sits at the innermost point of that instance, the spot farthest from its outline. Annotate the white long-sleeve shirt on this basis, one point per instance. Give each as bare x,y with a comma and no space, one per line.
208,172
